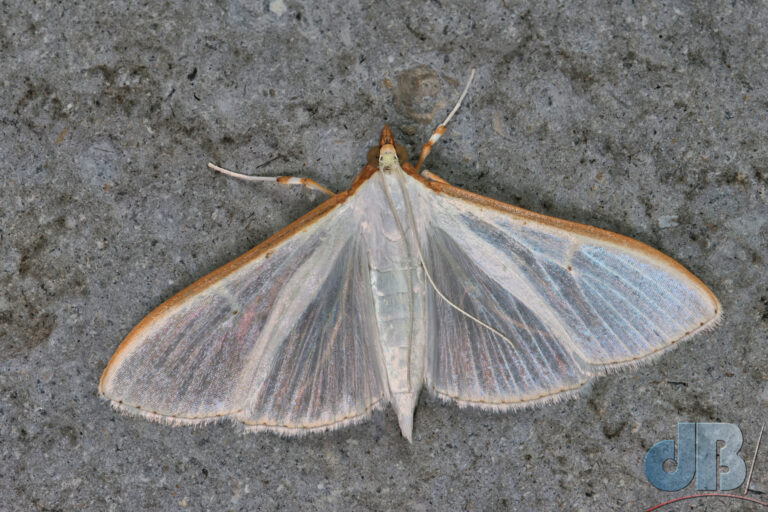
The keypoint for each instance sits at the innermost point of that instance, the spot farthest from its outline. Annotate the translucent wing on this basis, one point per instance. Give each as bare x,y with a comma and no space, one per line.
283,338
563,301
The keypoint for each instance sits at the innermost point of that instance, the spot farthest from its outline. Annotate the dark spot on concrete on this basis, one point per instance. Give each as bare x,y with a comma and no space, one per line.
611,430
29,253
417,94
70,433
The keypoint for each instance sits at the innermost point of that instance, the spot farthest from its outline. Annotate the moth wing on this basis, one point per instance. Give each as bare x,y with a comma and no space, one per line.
283,338
568,301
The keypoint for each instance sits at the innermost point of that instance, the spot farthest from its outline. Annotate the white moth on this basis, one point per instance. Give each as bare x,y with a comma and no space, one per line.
404,281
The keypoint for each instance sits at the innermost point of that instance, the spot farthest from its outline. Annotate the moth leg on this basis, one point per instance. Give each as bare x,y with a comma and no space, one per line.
432,176
283,180
440,130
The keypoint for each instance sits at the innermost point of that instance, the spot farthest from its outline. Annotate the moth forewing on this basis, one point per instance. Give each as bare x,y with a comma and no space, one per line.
572,301
243,341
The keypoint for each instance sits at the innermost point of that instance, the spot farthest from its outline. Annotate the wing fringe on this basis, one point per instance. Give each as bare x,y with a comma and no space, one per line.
632,364
281,430
293,431
569,394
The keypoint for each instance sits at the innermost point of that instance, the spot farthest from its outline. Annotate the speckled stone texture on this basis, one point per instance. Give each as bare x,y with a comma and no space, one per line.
648,119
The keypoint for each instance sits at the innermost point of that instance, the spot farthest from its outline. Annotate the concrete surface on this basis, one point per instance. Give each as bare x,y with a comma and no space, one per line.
649,119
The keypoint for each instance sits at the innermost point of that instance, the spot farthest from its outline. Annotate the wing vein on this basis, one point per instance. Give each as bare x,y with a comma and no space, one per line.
639,291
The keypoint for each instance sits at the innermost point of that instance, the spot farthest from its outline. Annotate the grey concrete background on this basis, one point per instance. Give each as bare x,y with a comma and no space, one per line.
649,119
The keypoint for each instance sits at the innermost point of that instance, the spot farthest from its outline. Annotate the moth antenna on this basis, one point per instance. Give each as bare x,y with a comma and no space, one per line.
283,180
440,130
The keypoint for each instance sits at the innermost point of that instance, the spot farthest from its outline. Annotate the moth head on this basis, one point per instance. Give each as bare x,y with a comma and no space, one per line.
387,152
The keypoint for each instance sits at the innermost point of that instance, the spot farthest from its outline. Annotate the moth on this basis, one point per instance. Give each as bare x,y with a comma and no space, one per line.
403,282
